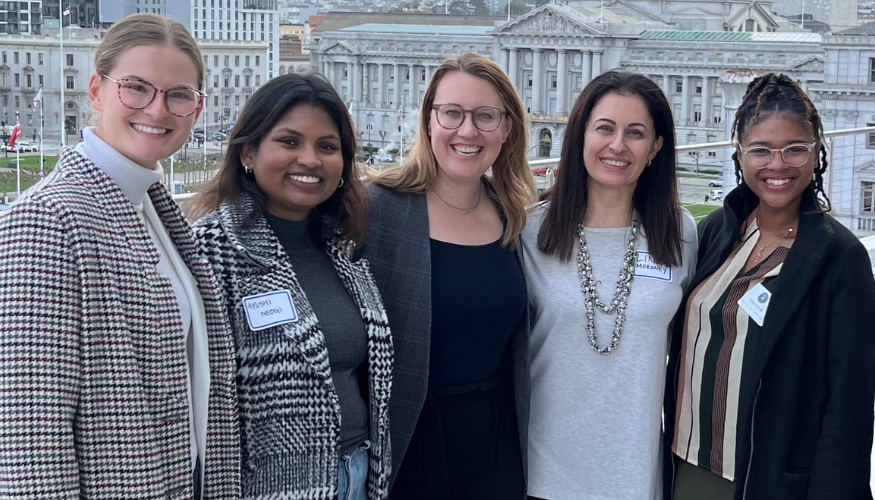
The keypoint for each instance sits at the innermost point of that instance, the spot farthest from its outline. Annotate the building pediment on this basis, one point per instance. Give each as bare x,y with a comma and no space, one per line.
867,167
550,20
623,6
756,12
813,63
339,49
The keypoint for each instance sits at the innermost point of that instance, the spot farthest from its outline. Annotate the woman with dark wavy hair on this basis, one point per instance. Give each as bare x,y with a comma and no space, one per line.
598,340
314,356
772,359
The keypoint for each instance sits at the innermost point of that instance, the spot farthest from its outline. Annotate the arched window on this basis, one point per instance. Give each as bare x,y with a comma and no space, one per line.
545,143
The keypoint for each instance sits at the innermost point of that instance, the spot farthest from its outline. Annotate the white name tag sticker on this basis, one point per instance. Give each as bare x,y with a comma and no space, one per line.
645,267
269,309
756,302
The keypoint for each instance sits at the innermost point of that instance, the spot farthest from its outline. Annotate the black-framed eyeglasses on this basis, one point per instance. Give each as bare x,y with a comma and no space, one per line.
759,157
451,116
135,93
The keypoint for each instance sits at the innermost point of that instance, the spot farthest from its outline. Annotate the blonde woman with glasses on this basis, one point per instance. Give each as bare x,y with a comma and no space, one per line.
117,371
442,243
771,366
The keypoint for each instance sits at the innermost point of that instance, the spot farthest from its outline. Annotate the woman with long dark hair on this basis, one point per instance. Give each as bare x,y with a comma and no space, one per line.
607,256
314,356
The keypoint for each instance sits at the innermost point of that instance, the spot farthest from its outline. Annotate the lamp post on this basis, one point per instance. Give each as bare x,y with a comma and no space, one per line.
369,127
382,136
226,113
361,146
63,79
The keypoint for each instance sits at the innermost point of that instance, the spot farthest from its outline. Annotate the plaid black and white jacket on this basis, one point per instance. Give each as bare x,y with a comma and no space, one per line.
290,413
93,393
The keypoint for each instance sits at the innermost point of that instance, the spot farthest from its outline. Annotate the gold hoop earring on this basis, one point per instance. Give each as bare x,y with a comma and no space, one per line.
340,184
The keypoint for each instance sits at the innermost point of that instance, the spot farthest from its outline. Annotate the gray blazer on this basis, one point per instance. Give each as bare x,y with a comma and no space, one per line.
399,251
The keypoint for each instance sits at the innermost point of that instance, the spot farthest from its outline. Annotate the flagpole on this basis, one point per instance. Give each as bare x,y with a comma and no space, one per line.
18,170
40,93
63,62
401,132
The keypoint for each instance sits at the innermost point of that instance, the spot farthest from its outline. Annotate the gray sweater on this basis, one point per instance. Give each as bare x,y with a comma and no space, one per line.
594,432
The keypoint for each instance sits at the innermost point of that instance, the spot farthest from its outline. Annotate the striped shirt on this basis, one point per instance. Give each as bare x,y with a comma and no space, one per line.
717,335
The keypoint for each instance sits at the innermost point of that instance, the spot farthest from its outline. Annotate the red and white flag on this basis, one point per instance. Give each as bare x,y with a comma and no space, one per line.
16,133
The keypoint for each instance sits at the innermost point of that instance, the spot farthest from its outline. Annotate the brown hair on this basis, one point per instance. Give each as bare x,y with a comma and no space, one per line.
514,186
770,94
343,212
146,29
656,194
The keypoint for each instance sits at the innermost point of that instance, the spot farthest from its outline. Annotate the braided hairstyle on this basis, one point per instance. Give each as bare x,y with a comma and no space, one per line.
773,93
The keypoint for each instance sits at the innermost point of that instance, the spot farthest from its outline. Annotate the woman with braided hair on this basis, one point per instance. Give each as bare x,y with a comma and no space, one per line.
771,365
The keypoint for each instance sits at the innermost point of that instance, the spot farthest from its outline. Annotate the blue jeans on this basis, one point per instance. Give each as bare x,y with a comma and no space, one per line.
352,474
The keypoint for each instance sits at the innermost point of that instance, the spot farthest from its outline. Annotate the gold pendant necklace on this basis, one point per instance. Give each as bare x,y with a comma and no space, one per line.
777,238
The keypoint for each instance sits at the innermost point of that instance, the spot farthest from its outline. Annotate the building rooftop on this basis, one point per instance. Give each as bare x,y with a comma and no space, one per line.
731,36
863,29
419,29
335,21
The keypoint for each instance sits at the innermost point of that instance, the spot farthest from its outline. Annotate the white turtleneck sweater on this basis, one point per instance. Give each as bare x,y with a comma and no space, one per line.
134,181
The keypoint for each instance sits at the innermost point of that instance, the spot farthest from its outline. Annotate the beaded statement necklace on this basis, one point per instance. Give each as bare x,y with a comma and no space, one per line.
621,294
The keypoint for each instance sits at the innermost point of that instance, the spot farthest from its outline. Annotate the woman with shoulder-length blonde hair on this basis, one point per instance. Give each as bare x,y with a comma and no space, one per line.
442,243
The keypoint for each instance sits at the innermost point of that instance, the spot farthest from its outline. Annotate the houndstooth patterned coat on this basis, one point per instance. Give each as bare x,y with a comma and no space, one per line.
290,413
93,394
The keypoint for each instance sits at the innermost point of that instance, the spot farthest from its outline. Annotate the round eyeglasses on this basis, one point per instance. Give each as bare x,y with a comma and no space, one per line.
451,116
760,157
135,93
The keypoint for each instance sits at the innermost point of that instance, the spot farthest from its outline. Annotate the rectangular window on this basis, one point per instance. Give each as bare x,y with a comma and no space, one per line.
71,83
4,57
867,196
697,116
248,81
257,80
17,80
236,80
553,81
40,79
227,61
247,61
17,102
679,85
236,61
257,60
28,80
40,58
215,100
69,59
216,116
227,82
871,69
216,60
870,143
27,58
215,81
15,57
699,87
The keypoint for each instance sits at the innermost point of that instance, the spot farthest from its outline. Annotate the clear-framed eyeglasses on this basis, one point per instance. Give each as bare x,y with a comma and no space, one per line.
135,93
760,157
451,116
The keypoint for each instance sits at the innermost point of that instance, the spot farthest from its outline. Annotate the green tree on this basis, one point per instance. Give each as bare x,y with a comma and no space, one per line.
480,7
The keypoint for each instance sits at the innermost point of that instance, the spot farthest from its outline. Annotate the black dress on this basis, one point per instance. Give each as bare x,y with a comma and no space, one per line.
466,444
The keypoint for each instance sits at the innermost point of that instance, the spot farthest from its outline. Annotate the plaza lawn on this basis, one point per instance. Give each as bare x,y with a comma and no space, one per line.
29,171
699,211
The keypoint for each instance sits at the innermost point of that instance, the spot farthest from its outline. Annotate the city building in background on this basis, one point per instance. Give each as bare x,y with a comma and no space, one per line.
21,17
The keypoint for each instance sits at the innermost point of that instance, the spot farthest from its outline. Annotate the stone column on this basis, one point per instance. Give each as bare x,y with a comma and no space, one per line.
381,85
396,68
512,69
734,86
503,59
537,78
685,102
561,78
597,63
366,84
706,101
428,69
414,85
666,81
586,67
350,80
357,82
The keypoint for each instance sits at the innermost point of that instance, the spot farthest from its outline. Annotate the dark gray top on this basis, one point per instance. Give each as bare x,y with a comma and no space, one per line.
340,322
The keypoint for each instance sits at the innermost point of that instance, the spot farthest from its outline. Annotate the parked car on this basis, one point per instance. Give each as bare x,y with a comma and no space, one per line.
385,159
714,195
26,147
198,136
718,182
218,136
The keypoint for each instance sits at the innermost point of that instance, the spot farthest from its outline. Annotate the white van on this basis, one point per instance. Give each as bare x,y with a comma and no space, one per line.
714,195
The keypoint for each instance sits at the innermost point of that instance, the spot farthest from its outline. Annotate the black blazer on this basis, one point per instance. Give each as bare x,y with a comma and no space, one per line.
399,251
806,400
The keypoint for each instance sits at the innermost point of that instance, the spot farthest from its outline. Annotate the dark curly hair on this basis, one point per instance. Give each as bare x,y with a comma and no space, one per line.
773,93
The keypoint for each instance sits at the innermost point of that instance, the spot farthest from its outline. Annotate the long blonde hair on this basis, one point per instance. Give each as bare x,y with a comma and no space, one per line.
514,186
